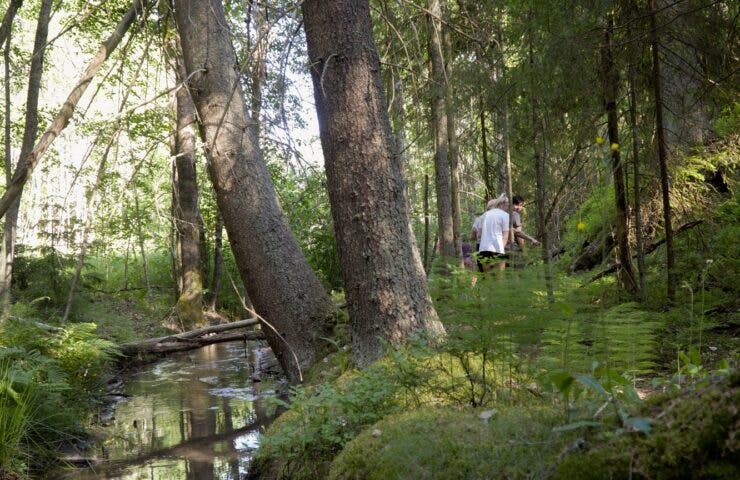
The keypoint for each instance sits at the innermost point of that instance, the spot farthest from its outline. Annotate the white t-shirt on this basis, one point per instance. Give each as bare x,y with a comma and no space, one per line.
477,224
495,223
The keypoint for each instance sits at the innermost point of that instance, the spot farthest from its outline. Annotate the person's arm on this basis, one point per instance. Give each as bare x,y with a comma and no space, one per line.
518,233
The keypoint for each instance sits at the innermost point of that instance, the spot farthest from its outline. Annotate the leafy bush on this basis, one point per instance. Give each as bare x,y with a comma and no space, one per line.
48,376
302,442
42,277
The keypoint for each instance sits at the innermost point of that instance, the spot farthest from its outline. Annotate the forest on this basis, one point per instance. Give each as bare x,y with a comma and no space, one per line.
241,239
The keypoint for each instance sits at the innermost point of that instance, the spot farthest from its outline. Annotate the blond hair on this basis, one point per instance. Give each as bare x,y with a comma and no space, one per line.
498,201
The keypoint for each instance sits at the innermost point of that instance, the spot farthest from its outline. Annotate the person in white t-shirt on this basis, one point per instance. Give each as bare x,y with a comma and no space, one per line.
494,235
475,232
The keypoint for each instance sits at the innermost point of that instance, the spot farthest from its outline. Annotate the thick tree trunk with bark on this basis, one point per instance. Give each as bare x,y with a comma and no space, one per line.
29,137
278,279
439,132
186,210
383,276
686,114
626,273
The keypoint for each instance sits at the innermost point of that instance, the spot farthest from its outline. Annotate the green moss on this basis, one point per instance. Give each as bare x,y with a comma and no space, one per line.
695,435
453,444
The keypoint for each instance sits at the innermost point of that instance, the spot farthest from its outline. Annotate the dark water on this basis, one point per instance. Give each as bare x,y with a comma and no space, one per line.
194,415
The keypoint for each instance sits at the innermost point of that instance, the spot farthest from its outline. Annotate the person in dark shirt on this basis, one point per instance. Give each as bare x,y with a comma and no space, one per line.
516,219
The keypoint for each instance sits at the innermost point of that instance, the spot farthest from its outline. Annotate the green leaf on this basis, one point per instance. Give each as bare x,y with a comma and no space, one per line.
562,381
592,383
640,424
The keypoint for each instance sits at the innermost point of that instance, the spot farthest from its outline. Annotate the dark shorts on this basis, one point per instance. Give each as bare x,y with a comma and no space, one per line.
485,257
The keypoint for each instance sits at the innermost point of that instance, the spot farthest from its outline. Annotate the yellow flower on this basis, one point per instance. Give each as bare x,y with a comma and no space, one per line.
615,147
599,139
581,227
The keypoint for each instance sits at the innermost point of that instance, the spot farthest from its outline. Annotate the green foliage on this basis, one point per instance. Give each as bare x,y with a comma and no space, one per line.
454,444
15,416
48,376
603,398
306,204
323,419
694,435
592,221
42,277
728,123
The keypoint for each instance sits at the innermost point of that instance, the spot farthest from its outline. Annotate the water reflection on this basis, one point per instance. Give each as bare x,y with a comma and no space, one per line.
195,415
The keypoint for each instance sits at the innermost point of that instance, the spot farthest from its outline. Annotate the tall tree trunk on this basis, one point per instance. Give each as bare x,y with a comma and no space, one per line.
26,163
427,264
258,60
439,132
7,23
683,88
29,137
218,264
387,299
278,279
484,152
637,202
625,271
662,156
6,256
142,244
187,214
454,152
540,186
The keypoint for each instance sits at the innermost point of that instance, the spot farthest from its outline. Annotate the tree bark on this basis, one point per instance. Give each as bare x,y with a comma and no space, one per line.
625,274
686,114
218,264
439,133
484,152
29,137
27,163
6,256
187,213
662,155
7,23
427,262
387,298
637,202
188,340
278,279
454,152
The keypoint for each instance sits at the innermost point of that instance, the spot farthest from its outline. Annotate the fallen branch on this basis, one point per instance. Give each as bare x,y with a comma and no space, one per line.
181,345
649,249
190,340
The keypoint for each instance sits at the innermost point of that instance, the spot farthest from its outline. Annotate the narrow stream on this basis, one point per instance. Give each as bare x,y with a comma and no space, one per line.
193,415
